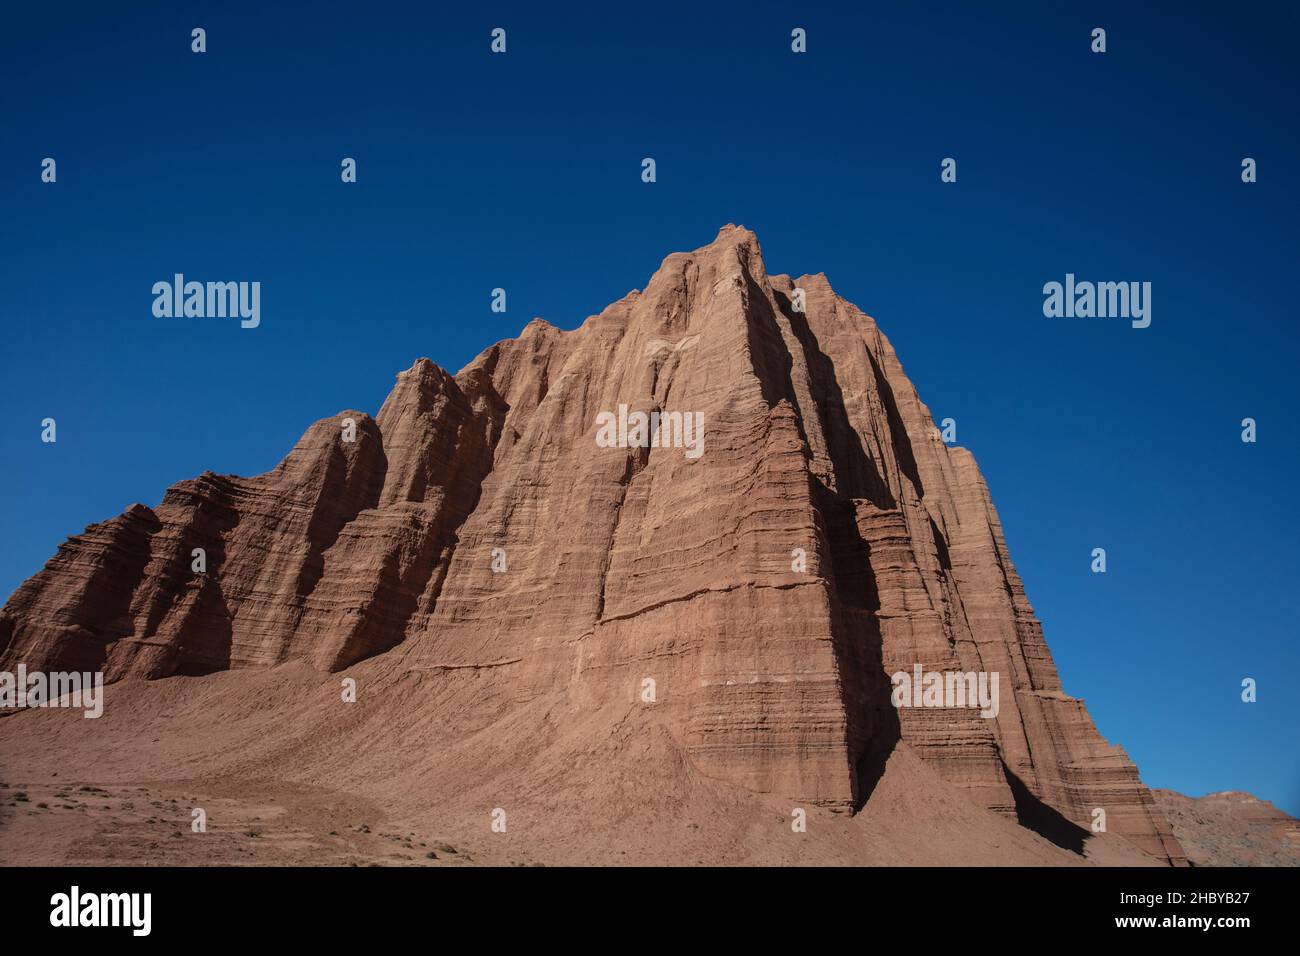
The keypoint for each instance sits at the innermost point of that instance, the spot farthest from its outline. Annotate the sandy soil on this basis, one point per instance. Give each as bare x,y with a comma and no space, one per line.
287,776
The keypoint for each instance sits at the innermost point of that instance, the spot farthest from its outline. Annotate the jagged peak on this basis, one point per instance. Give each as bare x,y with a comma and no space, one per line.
729,237
737,240
538,325
734,233
417,386
424,368
816,280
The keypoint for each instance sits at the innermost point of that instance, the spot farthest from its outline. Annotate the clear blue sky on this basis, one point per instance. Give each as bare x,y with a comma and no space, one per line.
523,171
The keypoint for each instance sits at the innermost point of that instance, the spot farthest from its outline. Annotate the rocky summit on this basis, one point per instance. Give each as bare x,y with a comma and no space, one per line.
641,587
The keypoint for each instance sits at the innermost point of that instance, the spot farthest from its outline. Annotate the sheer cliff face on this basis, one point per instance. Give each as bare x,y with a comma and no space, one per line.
824,539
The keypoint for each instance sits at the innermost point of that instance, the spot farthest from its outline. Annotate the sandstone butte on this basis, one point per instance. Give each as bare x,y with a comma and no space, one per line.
524,689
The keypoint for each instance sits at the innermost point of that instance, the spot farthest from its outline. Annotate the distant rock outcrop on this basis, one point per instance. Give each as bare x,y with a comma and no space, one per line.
1231,829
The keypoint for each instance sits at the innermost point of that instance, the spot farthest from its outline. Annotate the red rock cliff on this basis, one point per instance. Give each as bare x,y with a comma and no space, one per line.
624,564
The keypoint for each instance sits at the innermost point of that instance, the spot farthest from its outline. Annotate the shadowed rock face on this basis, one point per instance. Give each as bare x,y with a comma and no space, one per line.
826,538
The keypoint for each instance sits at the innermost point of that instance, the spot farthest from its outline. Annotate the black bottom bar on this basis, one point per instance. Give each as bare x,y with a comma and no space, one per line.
332,905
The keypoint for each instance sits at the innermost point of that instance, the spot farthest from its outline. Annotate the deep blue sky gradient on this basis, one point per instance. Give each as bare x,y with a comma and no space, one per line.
523,171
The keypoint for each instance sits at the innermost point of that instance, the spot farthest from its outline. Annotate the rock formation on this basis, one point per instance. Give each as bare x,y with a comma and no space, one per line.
475,529
1231,829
